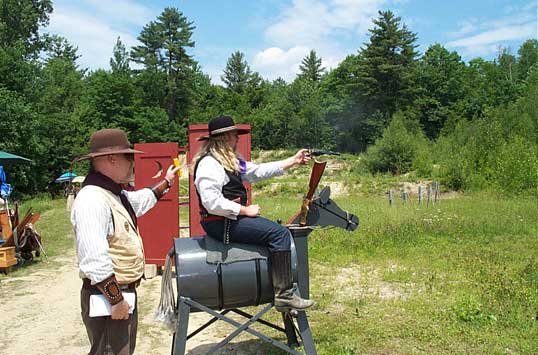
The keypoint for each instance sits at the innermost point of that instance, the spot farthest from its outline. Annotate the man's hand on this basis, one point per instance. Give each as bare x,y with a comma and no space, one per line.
120,310
171,173
250,211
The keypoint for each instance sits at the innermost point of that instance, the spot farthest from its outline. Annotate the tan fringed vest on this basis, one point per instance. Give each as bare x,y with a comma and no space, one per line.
125,245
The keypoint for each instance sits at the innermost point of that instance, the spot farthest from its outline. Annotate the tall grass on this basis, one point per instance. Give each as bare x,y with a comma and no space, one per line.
456,277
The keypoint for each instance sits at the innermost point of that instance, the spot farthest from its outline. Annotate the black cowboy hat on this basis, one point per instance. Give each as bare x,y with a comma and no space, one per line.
220,125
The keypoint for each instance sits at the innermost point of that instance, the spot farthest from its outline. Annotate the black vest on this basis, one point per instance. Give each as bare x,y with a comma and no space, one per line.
233,190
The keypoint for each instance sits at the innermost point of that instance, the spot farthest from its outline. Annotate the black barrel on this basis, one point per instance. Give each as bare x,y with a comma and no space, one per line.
223,286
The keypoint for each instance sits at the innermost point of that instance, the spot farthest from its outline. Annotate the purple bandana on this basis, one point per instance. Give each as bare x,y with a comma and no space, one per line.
242,166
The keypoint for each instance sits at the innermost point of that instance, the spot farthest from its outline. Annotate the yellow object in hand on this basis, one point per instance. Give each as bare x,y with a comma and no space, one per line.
176,164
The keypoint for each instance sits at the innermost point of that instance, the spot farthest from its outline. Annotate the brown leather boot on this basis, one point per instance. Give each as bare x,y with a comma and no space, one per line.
285,296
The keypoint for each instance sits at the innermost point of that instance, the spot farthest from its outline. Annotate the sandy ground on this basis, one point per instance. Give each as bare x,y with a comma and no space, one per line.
40,314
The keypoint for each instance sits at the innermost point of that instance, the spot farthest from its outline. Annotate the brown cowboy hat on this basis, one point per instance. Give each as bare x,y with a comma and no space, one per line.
220,125
108,141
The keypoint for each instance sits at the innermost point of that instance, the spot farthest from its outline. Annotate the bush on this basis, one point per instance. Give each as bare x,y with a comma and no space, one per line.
499,150
517,166
401,147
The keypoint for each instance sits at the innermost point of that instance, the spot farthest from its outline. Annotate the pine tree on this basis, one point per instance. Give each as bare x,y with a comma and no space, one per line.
237,73
386,69
311,68
164,50
527,57
119,63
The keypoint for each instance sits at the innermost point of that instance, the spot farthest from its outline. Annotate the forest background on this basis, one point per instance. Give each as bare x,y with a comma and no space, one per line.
471,125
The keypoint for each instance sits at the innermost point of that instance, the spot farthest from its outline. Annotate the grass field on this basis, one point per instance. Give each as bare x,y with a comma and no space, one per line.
458,277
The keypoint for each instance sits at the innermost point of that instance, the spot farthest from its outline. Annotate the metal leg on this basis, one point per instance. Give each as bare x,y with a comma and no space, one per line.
41,247
236,332
290,330
306,334
242,327
180,337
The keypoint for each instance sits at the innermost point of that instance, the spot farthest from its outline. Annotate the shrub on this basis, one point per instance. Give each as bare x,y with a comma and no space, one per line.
396,151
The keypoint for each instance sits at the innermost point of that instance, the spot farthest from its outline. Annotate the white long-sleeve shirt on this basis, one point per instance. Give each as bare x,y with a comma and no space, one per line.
211,177
92,219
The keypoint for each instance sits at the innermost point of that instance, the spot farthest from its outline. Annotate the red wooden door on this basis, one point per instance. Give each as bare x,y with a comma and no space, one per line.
160,225
243,147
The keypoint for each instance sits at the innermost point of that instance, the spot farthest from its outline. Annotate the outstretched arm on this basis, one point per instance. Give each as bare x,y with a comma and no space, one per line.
300,158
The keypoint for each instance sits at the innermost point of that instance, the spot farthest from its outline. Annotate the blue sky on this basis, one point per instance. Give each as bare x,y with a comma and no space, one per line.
275,35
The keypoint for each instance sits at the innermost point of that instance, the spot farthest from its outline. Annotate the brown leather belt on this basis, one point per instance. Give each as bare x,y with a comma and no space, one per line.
212,218
86,283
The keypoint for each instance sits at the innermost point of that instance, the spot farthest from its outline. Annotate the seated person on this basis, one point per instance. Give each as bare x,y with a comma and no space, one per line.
218,176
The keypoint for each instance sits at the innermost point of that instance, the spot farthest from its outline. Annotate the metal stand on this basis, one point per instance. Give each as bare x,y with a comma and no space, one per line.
186,304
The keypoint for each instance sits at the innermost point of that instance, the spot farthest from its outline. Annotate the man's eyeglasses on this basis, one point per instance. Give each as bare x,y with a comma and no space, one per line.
129,157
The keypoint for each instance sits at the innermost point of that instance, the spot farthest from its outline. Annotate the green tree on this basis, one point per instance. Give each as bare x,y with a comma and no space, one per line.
385,78
21,42
440,78
20,22
58,47
236,73
311,68
61,85
372,85
527,57
164,51
340,97
119,63
17,129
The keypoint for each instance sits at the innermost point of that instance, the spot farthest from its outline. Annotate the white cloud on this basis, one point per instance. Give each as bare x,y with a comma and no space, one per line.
496,37
275,62
95,39
123,11
307,22
313,24
465,27
485,38
93,26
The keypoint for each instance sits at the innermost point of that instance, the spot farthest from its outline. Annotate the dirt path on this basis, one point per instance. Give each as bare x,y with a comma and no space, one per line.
40,314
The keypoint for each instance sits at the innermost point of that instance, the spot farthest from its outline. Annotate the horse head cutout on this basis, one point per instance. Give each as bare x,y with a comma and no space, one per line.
324,212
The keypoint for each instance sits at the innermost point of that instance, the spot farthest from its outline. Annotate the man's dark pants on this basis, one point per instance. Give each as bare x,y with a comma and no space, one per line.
108,336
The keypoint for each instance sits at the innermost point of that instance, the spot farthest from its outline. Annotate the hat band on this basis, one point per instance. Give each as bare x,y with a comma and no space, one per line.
222,130
111,149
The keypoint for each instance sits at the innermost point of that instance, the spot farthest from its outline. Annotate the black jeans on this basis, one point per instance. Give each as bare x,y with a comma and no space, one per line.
252,230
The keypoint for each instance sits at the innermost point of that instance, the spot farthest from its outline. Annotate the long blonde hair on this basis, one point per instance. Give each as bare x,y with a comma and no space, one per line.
220,149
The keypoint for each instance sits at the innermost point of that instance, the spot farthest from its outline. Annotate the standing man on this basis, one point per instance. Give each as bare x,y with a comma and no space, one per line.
109,248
